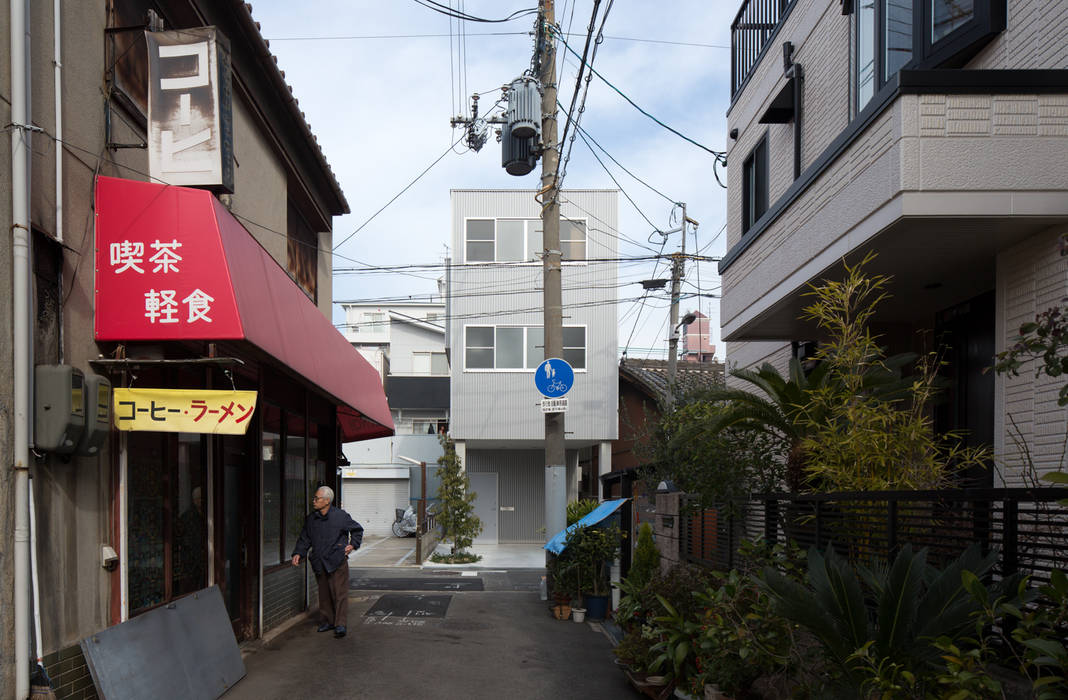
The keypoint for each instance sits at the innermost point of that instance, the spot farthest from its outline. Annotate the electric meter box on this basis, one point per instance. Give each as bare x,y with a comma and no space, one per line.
97,415
59,408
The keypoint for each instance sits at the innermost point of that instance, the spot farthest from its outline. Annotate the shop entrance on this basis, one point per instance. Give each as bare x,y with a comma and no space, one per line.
236,551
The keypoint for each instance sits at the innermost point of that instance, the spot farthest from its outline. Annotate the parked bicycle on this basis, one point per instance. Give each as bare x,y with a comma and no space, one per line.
405,524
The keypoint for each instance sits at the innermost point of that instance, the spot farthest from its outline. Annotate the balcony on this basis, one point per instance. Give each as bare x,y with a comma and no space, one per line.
752,29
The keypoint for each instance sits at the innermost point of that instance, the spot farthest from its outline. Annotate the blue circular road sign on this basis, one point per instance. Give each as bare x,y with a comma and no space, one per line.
554,378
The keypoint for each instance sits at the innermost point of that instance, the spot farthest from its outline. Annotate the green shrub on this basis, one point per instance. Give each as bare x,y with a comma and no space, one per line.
646,561
577,510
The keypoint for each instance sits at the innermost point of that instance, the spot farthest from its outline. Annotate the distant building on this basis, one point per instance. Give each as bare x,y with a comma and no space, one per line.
495,342
406,343
697,343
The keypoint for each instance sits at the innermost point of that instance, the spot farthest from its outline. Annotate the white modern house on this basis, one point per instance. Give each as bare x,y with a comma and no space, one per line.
495,342
405,342
933,133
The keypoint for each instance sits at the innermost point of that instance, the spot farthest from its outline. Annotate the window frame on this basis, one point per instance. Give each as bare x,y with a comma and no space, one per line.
526,367
751,183
530,227
951,51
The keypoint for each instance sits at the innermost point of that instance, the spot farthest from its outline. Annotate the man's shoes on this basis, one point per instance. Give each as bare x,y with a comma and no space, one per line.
339,631
325,627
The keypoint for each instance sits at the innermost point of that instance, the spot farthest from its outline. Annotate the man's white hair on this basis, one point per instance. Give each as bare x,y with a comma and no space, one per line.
327,492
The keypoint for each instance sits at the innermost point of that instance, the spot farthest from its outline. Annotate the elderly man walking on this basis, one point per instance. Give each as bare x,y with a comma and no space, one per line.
331,534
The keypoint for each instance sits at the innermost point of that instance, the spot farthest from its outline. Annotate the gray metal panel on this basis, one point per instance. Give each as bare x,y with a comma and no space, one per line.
520,489
484,485
504,405
182,650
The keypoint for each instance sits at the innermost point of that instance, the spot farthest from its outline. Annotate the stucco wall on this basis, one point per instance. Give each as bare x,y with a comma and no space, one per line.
1031,277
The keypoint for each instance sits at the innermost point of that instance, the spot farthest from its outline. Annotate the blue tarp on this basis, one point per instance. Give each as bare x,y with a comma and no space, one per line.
557,543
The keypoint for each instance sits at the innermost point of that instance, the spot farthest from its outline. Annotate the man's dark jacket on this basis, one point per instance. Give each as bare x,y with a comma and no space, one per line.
327,536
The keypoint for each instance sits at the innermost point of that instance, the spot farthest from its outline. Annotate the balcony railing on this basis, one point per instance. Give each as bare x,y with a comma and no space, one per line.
754,24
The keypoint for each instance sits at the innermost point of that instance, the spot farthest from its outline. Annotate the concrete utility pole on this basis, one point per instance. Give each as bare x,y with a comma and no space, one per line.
555,456
677,261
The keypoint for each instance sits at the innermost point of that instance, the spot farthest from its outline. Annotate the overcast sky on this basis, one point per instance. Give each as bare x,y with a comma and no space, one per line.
380,108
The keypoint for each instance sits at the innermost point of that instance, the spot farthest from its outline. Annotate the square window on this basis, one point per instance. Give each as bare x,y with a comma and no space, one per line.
480,247
510,240
509,348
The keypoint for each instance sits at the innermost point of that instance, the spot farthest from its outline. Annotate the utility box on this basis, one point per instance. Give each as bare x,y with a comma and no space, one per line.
97,415
59,408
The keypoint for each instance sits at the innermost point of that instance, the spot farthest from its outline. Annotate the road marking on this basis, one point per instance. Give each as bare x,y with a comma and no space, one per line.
401,560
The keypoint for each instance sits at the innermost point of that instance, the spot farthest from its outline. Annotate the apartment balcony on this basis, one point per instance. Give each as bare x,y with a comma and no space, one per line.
951,169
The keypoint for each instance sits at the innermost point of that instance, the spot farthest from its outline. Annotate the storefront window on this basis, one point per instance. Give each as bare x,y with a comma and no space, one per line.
296,503
167,525
190,526
145,485
272,485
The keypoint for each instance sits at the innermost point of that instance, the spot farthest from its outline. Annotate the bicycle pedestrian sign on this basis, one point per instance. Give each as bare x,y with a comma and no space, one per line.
554,378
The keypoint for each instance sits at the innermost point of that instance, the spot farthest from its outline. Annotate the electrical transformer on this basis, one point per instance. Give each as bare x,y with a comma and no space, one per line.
524,108
517,155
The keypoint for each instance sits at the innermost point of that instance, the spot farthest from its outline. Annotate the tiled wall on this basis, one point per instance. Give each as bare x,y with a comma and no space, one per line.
283,595
69,674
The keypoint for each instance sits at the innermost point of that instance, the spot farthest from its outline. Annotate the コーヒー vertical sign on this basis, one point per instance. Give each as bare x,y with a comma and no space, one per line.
190,128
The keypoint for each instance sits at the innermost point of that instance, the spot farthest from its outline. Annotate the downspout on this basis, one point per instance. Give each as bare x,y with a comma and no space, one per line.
57,62
20,249
798,74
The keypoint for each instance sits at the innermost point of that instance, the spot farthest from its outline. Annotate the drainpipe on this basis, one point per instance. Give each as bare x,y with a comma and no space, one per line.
57,62
20,254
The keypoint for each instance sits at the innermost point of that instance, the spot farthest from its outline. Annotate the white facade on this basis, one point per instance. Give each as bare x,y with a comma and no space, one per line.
495,341
406,343
948,158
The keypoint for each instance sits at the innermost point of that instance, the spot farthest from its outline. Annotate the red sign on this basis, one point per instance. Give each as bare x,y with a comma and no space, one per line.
161,272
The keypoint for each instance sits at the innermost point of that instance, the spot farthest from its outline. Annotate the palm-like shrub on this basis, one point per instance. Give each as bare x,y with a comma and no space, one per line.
873,619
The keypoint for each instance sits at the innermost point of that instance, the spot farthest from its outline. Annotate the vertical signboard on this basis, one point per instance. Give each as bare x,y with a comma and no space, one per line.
190,127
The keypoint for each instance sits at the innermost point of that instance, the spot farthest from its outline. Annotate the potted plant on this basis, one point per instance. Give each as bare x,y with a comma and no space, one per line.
592,550
560,572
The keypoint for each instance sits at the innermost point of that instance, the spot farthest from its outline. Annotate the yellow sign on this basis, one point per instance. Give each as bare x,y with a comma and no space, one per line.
184,410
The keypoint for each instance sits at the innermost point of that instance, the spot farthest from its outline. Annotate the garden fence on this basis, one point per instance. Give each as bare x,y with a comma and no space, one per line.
1026,527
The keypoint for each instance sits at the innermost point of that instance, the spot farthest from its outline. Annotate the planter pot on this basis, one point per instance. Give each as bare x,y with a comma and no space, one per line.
578,614
561,612
596,606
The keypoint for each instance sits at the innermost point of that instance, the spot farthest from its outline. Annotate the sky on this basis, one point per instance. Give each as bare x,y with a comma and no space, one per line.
379,82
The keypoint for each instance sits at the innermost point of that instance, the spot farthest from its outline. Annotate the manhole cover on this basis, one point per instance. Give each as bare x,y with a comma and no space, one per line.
399,605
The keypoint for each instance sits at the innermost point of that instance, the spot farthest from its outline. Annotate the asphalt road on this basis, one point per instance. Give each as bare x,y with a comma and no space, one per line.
500,642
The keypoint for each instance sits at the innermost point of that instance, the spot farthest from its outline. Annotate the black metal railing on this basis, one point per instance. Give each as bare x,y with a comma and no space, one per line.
1027,527
754,24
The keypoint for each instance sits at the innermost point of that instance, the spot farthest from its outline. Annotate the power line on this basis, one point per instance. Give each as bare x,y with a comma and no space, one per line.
372,37
457,14
396,196
720,155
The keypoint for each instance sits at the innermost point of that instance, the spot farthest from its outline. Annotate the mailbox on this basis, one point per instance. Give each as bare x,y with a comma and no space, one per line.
59,408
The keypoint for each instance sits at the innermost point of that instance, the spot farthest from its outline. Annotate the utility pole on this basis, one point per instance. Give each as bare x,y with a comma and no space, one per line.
555,455
677,261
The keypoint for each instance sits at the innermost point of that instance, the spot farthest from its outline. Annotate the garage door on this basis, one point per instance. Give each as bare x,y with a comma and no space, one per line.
372,502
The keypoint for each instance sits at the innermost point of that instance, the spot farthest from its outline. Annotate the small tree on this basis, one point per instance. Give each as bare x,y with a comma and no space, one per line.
456,512
646,558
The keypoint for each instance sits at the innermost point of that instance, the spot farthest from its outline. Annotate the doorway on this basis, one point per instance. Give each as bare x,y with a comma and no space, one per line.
237,536
484,484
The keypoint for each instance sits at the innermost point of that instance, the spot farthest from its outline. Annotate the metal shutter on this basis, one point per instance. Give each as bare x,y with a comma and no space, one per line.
371,502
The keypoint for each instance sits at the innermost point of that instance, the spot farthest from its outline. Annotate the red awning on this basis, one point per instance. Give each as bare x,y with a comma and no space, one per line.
172,263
